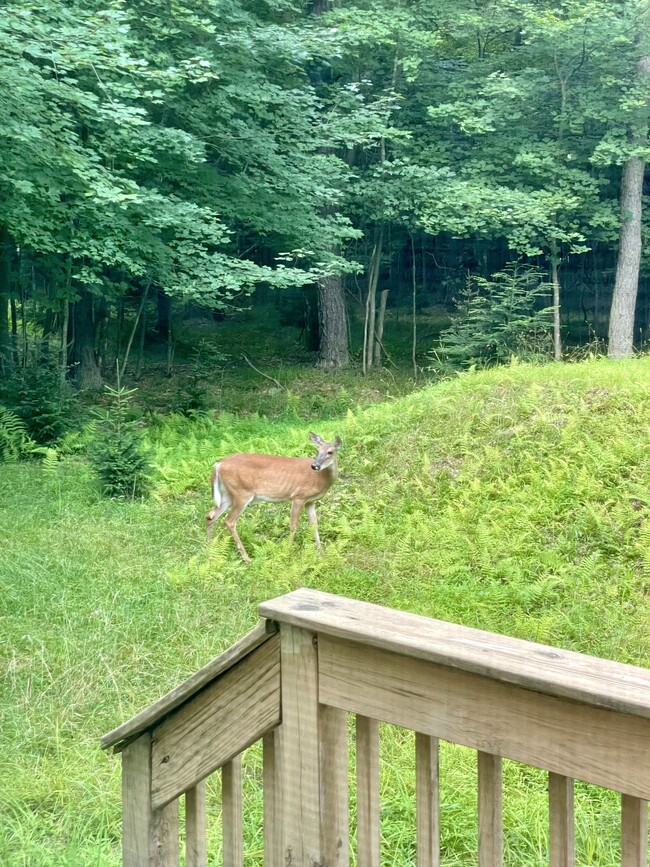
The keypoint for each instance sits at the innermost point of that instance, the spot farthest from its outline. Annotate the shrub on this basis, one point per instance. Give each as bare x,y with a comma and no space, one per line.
117,452
496,319
46,406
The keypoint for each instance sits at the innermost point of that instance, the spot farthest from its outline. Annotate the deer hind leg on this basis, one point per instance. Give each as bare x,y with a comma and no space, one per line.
231,523
310,508
213,515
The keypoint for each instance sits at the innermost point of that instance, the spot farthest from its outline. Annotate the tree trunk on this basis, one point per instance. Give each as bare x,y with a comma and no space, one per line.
626,284
333,350
379,332
87,373
163,311
371,303
6,255
555,282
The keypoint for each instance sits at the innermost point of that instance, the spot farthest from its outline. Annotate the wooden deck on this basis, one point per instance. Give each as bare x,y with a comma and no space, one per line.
317,658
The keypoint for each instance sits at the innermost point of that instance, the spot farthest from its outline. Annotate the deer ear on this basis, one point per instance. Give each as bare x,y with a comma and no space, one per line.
338,443
317,441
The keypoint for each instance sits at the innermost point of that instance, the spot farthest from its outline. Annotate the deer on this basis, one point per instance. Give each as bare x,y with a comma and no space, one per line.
241,479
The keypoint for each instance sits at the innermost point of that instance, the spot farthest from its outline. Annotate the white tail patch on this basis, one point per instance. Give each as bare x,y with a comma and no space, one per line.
216,489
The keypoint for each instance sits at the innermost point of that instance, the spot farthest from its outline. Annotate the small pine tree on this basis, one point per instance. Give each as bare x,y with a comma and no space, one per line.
498,318
117,453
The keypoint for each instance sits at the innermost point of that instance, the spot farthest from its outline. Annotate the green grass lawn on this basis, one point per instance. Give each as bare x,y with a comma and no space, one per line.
514,500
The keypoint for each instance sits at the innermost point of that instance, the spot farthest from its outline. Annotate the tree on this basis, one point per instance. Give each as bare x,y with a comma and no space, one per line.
622,315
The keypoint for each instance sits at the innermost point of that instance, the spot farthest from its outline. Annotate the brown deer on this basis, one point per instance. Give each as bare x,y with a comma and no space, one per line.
239,480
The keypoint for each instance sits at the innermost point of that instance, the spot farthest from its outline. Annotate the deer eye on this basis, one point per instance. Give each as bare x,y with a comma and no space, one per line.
330,452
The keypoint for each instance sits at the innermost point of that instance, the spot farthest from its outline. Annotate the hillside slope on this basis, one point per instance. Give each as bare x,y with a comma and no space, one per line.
515,500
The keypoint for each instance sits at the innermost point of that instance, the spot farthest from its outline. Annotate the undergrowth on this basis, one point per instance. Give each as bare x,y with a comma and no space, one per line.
514,500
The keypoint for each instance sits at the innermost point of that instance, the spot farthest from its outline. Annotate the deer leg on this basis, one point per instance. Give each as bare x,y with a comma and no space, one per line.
296,508
231,523
313,520
212,516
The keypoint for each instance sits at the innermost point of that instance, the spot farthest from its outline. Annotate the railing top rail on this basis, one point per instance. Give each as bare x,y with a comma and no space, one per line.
538,667
181,694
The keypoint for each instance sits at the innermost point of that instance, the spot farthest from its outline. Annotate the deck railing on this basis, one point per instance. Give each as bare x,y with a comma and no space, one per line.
317,658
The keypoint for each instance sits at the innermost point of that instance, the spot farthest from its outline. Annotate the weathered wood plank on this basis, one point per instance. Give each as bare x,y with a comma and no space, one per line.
220,722
561,821
490,811
149,837
567,737
368,828
271,750
535,666
335,820
184,692
196,827
231,813
427,801
634,832
299,766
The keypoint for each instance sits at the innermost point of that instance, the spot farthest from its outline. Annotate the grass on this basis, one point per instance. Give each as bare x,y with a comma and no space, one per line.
515,500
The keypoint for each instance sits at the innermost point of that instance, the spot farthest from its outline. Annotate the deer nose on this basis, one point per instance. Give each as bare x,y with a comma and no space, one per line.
315,466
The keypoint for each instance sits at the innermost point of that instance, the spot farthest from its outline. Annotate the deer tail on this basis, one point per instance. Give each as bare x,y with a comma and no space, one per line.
216,487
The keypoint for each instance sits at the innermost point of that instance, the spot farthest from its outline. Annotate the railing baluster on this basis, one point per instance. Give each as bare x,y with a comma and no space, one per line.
335,820
368,833
231,813
427,801
195,827
272,800
561,824
490,812
634,832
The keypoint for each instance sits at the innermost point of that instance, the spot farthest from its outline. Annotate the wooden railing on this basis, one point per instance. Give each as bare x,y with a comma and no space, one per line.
292,683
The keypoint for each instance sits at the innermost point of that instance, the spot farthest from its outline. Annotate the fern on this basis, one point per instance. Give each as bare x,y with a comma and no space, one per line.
14,439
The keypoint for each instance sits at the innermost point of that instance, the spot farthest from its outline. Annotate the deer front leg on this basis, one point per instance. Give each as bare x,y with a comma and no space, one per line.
313,520
296,508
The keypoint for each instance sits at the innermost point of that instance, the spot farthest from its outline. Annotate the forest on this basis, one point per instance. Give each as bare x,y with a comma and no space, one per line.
345,159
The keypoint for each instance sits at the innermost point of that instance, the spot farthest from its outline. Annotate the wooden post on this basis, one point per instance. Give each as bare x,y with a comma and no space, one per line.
231,813
490,813
195,827
561,825
634,832
298,771
272,799
335,820
368,829
149,837
427,801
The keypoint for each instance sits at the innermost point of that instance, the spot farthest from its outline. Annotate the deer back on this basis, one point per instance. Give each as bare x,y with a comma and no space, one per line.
273,477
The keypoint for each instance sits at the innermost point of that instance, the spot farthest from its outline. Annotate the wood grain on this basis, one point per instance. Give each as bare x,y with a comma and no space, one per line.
218,724
335,819
231,814
368,828
566,737
299,765
271,754
634,832
490,811
427,801
196,826
561,821
535,666
149,837
153,714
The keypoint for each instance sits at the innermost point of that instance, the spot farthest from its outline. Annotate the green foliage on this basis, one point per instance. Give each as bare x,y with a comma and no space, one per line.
45,404
14,439
496,319
501,500
116,452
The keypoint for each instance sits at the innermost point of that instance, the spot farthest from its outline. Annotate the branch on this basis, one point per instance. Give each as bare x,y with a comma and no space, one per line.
265,375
